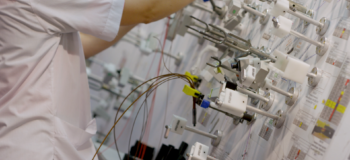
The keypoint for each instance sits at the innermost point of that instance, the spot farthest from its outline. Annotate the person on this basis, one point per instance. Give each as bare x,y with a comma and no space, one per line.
44,95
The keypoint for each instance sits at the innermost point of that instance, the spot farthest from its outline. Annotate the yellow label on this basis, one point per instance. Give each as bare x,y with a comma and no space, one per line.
315,107
300,124
330,104
341,108
333,104
321,124
219,70
322,101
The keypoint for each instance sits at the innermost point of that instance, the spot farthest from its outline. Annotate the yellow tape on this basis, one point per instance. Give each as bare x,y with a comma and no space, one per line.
315,107
321,123
330,104
219,70
333,104
300,124
341,108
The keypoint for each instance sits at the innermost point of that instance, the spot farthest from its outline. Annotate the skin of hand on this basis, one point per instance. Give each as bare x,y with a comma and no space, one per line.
146,11
93,45
135,12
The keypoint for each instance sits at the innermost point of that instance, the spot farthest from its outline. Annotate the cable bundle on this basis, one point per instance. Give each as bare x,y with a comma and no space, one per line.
157,82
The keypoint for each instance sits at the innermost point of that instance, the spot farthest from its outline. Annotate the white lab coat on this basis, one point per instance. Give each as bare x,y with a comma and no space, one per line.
44,95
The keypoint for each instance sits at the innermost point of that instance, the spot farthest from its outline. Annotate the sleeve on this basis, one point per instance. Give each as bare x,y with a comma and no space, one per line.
100,18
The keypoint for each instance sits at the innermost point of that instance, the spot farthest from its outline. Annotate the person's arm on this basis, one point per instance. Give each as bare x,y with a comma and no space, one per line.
146,11
135,12
93,45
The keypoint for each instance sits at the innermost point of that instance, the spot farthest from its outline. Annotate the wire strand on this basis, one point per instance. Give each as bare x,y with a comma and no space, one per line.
179,76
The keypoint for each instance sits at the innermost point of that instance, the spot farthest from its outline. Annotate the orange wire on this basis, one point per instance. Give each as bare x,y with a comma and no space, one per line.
144,151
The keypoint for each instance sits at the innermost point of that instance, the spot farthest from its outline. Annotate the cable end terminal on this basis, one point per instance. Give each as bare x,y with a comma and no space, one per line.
191,91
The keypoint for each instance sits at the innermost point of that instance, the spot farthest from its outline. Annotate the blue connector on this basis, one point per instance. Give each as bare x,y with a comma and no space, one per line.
205,104
205,0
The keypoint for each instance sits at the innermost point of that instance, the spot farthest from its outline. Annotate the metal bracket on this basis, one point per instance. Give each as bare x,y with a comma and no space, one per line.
216,142
278,123
321,50
290,100
255,7
309,13
321,30
313,81
228,39
221,12
207,35
222,66
264,19
267,105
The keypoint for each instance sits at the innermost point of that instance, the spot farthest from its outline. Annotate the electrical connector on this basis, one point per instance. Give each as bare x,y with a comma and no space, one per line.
191,91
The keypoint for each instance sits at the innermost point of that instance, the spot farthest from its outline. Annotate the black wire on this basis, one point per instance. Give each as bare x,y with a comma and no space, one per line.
115,141
169,78
148,94
142,130
115,118
166,111
145,118
116,145
132,129
149,91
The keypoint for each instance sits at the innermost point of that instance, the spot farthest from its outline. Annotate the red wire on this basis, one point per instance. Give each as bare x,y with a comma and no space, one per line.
141,150
155,92
153,98
154,57
147,76
144,151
